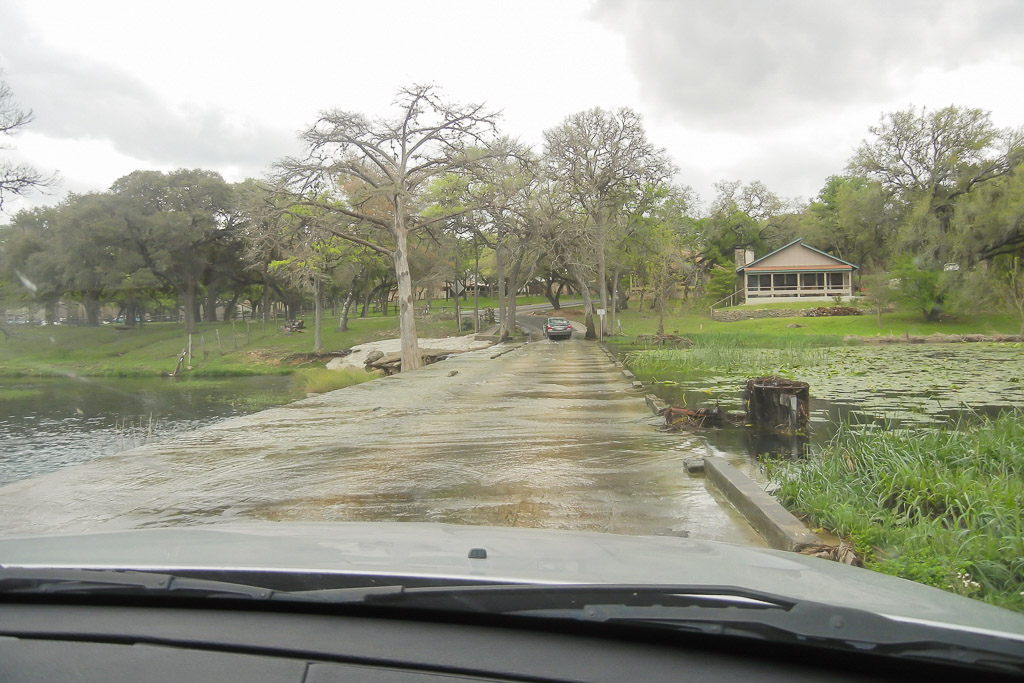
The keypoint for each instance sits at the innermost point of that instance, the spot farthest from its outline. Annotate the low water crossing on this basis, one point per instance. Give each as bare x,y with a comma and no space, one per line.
549,435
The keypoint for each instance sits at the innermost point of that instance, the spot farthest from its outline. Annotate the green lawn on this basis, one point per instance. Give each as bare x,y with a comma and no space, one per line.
217,348
692,323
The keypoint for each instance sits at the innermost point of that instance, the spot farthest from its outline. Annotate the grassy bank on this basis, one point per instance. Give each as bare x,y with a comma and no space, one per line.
218,349
694,323
938,507
757,353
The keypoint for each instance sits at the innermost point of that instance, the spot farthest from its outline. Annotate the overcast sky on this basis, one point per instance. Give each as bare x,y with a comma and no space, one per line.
774,91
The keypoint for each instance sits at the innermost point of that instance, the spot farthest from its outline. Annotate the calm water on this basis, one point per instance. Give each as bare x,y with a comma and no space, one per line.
927,385
49,423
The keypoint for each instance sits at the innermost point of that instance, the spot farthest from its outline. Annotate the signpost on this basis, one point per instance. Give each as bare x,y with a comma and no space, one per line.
601,313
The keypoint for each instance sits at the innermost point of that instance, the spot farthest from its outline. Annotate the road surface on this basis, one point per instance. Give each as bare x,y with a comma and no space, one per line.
547,435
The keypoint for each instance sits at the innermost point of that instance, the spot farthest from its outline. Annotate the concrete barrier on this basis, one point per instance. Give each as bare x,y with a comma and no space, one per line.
776,524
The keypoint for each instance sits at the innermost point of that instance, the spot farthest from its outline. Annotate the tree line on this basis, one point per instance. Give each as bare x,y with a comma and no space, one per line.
382,208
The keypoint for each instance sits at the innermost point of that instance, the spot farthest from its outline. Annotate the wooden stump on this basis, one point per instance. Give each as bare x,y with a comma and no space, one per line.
778,404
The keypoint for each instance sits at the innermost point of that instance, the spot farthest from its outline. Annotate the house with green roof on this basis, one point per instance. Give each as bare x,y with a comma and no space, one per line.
795,271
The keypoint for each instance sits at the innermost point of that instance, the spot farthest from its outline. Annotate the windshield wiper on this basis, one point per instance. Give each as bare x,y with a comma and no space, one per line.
715,610
47,581
727,610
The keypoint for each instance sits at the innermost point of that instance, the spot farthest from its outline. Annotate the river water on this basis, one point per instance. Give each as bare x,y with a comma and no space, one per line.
50,423
549,435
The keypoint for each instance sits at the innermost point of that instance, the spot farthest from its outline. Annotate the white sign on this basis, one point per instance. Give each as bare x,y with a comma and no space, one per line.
601,311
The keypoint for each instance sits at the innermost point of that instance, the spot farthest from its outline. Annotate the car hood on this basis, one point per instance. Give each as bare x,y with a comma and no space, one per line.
512,554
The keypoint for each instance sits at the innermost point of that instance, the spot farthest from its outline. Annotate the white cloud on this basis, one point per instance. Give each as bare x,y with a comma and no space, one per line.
775,91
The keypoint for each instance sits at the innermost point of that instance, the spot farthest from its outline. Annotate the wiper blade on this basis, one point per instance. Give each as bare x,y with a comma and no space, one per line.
49,581
726,610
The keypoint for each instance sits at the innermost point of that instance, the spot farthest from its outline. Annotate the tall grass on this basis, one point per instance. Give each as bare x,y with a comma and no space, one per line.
939,507
753,354
321,380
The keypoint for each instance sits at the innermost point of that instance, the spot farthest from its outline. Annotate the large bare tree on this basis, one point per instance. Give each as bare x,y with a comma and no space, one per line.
603,159
376,171
16,179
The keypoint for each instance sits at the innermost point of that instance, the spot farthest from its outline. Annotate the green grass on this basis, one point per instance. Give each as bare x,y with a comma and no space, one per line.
693,322
938,507
725,351
321,380
218,349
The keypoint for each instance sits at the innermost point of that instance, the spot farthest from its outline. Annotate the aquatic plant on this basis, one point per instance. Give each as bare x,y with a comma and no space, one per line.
942,507
321,380
743,353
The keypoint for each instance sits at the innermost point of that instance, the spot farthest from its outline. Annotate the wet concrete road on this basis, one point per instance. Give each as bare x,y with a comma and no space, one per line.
548,435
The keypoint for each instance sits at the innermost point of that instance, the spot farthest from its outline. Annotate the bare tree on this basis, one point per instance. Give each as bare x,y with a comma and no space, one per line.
16,179
603,159
507,195
375,173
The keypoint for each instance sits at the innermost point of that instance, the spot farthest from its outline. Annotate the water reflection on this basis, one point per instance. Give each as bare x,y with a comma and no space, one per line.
50,423
886,387
549,436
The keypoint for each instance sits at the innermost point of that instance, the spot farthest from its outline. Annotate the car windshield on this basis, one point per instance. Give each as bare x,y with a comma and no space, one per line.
436,286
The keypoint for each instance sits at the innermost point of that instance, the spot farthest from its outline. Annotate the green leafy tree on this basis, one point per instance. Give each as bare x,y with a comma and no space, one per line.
179,223
854,218
921,288
930,159
879,293
604,162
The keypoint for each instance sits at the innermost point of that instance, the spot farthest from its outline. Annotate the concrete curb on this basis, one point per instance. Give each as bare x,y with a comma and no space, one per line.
655,404
776,524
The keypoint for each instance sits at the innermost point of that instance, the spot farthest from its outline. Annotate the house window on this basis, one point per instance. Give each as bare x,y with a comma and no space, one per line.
812,280
835,280
752,283
784,280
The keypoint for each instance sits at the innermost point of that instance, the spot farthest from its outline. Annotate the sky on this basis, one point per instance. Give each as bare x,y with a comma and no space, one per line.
778,91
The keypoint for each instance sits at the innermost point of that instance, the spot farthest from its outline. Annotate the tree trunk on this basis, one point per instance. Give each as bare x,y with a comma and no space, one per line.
266,301
346,305
502,308
603,284
615,297
551,295
406,310
92,309
210,304
588,304
229,310
318,317
476,286
188,297
367,295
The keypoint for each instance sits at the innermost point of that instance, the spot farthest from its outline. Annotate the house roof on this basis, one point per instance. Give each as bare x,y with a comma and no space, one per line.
841,264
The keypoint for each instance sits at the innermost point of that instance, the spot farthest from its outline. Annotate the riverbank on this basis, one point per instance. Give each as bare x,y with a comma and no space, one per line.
222,349
830,330
925,475
940,507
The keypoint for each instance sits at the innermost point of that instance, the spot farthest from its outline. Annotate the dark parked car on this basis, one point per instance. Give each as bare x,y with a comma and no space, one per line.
556,328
